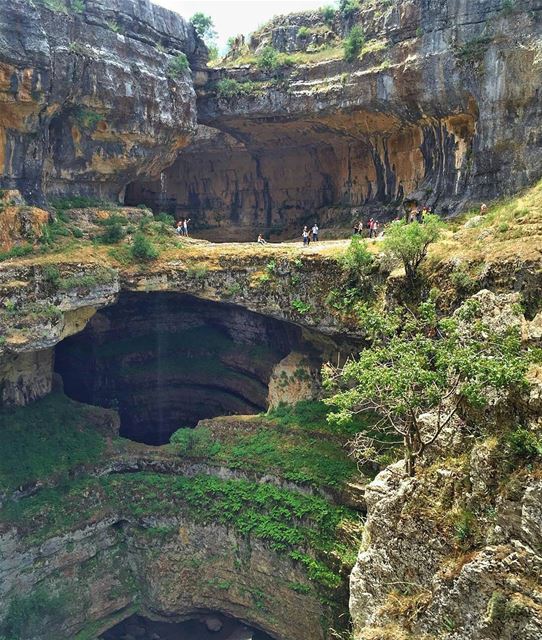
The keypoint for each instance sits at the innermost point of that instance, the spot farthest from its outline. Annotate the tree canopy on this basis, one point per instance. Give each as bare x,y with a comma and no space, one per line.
409,242
419,364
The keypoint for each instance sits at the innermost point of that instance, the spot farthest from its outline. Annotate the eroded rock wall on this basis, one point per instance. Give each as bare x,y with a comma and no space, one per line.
88,99
441,106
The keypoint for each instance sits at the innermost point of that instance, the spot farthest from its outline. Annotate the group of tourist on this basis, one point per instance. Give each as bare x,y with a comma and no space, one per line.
310,234
182,227
373,227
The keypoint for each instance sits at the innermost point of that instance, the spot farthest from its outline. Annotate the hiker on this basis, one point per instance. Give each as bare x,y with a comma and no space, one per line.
306,236
179,228
261,239
373,228
315,233
185,226
360,227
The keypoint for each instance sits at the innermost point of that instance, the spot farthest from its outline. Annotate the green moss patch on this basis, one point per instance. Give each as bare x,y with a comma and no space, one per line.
295,443
50,436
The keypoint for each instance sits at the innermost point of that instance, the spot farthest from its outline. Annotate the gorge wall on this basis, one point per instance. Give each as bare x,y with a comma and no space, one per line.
89,98
441,105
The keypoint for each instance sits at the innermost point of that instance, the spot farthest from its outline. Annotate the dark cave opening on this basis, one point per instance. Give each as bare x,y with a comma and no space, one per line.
167,360
207,626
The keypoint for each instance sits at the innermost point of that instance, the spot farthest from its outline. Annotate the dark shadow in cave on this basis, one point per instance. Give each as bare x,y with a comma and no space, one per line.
167,360
208,626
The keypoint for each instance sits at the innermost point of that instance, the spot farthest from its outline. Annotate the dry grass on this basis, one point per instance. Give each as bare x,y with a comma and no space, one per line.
511,228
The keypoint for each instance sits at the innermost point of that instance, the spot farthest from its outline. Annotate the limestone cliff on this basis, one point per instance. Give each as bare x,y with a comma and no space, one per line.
440,105
90,94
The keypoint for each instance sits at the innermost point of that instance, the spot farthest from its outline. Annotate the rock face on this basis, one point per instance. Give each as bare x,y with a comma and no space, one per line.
441,106
455,553
88,96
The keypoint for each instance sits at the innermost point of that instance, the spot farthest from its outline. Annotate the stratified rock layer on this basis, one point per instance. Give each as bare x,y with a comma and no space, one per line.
88,100
441,106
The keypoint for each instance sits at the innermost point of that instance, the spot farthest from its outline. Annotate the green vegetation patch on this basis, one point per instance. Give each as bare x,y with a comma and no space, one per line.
50,436
305,527
296,443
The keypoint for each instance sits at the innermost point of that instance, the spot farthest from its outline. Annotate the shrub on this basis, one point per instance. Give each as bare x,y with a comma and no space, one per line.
194,442
357,260
353,43
229,88
165,218
409,242
328,14
16,252
113,233
177,66
268,59
303,32
348,7
26,615
523,443
142,249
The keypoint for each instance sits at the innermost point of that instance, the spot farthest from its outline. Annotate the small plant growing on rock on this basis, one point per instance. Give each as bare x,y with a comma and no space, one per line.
268,59
353,43
303,32
301,307
177,66
143,249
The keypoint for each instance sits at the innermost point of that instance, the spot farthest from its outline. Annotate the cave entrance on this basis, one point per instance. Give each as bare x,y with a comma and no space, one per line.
207,626
167,360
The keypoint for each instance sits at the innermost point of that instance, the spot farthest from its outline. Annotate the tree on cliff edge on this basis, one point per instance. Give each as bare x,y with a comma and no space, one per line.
427,365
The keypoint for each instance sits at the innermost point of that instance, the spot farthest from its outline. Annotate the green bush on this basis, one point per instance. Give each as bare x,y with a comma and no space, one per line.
27,615
328,14
348,7
16,252
177,66
409,242
357,260
353,43
165,218
194,442
523,443
230,88
269,59
143,249
303,32
113,233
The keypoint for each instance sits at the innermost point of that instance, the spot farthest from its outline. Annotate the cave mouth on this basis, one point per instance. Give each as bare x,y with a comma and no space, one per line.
207,626
167,360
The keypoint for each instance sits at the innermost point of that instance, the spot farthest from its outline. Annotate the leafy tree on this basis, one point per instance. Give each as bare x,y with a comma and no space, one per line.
204,26
328,13
353,43
409,242
425,365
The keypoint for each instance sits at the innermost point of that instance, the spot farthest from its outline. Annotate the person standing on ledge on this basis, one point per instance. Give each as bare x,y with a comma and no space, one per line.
306,236
185,226
315,232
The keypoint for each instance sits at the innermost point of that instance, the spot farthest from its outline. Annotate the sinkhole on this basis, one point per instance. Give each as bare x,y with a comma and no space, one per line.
167,360
207,626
